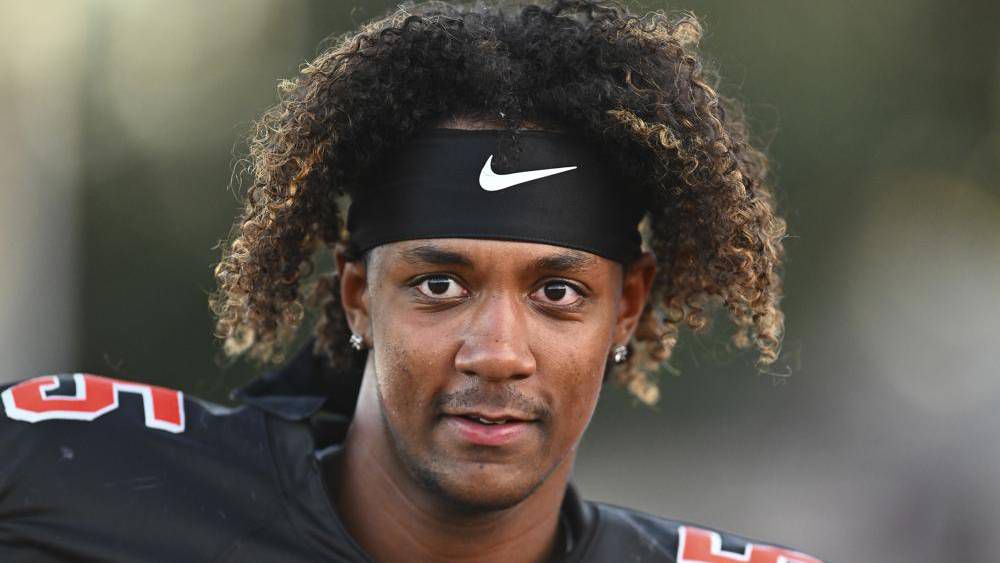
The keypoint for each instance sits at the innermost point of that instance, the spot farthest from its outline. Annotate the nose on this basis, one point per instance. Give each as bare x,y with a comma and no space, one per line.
496,343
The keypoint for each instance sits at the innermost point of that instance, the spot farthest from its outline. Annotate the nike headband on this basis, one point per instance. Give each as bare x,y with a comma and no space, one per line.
455,183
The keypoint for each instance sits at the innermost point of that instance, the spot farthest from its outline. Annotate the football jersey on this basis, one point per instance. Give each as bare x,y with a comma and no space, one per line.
101,469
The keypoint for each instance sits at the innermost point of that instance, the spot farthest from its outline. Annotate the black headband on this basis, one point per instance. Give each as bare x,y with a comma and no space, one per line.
449,183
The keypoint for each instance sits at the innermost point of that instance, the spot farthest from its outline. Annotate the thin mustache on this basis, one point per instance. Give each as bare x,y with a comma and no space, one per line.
502,399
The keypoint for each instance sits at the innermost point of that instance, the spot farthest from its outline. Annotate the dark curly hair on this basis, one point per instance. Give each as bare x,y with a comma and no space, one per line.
632,85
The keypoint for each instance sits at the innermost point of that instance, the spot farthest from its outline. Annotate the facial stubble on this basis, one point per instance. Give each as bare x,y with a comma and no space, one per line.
430,474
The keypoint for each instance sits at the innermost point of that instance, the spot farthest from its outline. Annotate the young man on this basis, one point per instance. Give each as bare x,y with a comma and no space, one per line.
490,276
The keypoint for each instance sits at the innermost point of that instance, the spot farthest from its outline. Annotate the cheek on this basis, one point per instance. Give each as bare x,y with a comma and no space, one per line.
577,373
405,367
583,392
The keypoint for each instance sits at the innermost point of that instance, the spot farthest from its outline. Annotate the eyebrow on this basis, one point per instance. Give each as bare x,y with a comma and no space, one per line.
569,261
430,254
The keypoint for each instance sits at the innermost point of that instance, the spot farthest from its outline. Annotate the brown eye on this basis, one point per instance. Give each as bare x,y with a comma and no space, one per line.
439,287
559,293
555,292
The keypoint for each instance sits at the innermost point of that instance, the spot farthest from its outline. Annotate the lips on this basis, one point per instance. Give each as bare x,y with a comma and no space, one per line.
489,430
492,417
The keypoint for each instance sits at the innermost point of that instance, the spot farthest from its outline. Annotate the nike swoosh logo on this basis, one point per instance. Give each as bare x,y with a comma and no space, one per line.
493,182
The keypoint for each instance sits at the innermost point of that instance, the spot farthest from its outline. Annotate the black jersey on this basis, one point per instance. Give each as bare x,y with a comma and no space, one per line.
102,469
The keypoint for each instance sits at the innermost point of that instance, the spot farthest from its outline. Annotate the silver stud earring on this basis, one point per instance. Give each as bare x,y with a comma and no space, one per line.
357,342
620,353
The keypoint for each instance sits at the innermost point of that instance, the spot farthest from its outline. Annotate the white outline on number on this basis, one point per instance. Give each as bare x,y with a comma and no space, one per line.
145,391
717,551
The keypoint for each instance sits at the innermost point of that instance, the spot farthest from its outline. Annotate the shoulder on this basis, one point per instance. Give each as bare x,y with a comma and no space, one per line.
81,406
105,459
632,535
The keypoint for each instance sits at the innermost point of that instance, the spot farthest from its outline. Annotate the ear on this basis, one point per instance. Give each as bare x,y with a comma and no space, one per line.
636,285
354,297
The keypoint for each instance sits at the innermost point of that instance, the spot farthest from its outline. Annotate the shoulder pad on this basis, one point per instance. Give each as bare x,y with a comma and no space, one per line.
112,464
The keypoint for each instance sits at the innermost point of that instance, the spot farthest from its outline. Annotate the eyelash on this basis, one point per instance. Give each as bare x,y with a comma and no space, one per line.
419,281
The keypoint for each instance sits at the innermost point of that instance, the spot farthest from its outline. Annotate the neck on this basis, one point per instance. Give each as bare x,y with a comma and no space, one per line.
393,518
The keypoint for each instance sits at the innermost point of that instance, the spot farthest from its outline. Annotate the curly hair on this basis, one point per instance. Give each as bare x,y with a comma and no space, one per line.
632,85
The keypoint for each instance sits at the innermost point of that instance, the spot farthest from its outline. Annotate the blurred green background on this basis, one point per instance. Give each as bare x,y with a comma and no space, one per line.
122,120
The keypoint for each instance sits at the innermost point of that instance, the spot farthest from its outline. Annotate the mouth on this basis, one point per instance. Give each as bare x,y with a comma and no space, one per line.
489,429
492,418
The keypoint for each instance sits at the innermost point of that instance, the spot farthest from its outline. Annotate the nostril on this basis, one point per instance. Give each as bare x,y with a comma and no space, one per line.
499,359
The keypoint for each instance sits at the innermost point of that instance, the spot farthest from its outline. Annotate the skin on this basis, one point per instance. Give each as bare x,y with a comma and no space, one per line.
473,323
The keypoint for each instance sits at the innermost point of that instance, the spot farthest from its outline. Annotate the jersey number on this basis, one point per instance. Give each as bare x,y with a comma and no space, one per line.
95,395
703,546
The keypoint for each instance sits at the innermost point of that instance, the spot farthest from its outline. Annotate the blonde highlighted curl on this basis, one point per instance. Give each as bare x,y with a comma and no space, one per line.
632,85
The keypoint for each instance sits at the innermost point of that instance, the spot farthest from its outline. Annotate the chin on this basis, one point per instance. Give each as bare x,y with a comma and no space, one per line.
478,487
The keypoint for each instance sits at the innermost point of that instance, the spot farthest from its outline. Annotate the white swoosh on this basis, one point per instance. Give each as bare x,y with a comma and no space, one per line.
493,182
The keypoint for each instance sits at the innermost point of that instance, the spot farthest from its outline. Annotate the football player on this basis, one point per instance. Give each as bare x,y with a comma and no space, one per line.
485,177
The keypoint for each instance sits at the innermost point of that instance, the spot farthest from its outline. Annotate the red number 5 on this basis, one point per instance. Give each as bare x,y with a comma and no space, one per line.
704,546
30,401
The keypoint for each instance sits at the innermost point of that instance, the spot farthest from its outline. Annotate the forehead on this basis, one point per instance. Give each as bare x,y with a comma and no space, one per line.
481,254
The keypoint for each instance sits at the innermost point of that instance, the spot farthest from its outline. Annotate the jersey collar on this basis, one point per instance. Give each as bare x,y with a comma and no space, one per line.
302,387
